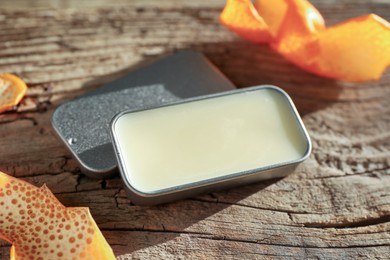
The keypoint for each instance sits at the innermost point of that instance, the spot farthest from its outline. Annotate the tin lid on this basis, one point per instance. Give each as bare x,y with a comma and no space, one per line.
83,124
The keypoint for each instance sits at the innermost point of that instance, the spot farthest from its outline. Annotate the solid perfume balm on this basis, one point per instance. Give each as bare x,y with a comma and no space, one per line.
208,139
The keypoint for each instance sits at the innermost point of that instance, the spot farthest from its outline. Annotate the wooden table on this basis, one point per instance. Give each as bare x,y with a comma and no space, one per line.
335,205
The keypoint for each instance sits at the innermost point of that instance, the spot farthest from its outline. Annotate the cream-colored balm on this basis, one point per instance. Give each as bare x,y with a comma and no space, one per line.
200,140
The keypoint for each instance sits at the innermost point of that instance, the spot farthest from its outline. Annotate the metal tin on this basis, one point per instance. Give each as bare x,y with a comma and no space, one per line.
83,124
277,170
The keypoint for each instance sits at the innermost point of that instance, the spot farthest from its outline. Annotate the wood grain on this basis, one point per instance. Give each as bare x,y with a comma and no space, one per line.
335,205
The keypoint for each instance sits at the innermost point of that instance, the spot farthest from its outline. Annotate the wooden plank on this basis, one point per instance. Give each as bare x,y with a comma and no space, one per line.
335,205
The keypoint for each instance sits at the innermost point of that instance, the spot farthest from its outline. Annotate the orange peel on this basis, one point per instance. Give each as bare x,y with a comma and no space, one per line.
356,50
39,227
241,17
12,90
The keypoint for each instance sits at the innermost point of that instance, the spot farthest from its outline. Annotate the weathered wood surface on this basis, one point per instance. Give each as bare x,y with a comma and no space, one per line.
335,205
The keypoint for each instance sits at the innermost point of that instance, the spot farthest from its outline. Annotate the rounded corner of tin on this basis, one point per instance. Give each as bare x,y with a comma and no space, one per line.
54,118
309,147
95,173
308,142
271,87
280,91
139,197
115,119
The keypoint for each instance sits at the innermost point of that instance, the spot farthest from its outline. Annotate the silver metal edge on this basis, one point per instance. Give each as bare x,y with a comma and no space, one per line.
143,198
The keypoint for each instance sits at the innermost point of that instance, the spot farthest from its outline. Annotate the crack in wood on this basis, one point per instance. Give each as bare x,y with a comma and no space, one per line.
353,224
291,245
376,173
255,207
162,231
17,117
116,196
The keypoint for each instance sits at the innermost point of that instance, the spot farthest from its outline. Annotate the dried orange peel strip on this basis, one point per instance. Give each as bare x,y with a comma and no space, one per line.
40,227
12,90
241,17
356,50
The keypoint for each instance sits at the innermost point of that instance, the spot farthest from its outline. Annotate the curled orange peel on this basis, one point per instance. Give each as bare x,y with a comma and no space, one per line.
12,90
356,50
241,17
39,227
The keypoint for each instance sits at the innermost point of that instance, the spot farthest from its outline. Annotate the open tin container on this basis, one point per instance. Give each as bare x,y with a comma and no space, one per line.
208,143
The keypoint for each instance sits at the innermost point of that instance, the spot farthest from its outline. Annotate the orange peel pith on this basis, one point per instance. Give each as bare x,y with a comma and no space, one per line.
12,90
356,50
40,227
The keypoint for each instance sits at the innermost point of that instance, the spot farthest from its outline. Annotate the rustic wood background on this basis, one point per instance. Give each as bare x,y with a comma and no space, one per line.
335,205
